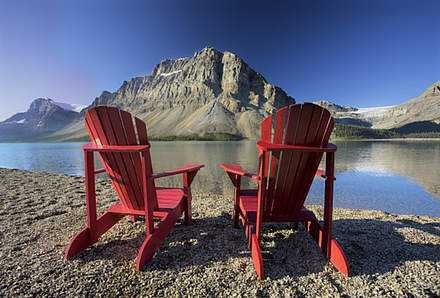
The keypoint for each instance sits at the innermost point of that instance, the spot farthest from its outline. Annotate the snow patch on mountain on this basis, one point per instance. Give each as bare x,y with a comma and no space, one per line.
70,106
373,111
166,74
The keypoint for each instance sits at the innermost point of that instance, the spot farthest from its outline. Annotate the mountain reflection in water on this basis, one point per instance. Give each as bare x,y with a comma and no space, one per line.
394,176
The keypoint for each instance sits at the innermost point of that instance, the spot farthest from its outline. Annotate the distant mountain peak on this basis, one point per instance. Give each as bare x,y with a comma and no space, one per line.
423,108
184,88
433,90
43,115
42,103
334,107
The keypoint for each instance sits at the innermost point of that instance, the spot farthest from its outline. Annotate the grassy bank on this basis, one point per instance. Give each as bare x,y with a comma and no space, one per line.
413,130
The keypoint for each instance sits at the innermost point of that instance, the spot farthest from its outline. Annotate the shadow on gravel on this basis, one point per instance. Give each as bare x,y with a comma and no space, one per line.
375,246
207,240
372,246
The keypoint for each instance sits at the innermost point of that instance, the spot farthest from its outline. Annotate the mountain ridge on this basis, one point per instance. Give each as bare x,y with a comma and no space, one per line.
43,116
211,92
422,108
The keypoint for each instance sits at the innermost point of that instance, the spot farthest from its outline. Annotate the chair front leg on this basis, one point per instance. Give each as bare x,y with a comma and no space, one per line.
147,183
89,165
328,203
187,179
236,181
188,199
237,201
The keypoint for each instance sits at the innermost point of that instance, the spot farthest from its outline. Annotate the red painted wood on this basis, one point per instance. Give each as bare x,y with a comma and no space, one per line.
106,159
184,169
141,130
266,136
130,134
297,163
299,141
111,160
238,170
124,152
280,123
328,203
90,189
115,148
130,166
256,257
237,185
283,181
338,258
88,236
120,158
154,241
305,171
261,196
147,190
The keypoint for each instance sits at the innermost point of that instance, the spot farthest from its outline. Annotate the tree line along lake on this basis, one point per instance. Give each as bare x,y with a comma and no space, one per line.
396,176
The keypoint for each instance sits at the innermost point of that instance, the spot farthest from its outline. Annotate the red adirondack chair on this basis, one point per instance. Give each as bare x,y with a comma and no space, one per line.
289,156
123,147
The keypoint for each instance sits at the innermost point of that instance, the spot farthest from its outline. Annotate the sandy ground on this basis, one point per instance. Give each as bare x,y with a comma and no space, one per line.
390,255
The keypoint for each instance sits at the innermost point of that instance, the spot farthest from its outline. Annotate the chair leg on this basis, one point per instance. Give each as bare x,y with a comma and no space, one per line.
256,257
236,217
188,210
89,236
153,241
336,255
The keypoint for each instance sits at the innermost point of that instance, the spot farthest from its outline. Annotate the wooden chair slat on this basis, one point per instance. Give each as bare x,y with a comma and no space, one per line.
283,182
119,165
127,159
280,123
290,176
305,171
130,133
131,173
141,129
108,159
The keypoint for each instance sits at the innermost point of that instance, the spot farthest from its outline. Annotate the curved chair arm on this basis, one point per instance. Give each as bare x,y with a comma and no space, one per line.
180,170
115,148
263,146
321,173
235,169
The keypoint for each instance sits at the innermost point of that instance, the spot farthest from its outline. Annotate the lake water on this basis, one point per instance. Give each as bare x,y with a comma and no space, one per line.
394,176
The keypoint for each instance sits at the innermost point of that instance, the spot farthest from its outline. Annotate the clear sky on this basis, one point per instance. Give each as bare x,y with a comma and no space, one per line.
360,53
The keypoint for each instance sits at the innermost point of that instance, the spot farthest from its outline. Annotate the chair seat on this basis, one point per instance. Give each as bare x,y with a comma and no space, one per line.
169,198
248,203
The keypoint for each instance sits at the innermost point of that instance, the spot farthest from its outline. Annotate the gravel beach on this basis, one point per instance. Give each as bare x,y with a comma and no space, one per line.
390,255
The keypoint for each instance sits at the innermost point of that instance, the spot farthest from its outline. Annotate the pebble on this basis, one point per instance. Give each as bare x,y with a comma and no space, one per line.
390,255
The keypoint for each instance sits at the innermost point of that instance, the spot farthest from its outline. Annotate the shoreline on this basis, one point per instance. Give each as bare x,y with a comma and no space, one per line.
391,255
241,140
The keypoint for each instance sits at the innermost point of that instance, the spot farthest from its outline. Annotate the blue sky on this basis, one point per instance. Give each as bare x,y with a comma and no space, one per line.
360,53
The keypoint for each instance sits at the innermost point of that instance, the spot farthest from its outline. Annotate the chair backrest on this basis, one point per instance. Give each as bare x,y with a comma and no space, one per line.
290,174
112,126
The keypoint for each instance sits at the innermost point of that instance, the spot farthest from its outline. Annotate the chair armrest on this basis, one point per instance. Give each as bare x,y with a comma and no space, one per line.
180,170
115,148
281,147
238,170
321,173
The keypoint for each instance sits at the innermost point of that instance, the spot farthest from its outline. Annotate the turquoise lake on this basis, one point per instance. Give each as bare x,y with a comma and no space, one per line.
394,176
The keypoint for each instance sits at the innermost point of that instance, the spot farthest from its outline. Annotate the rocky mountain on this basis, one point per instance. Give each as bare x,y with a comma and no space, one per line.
333,107
422,109
214,93
211,92
43,116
